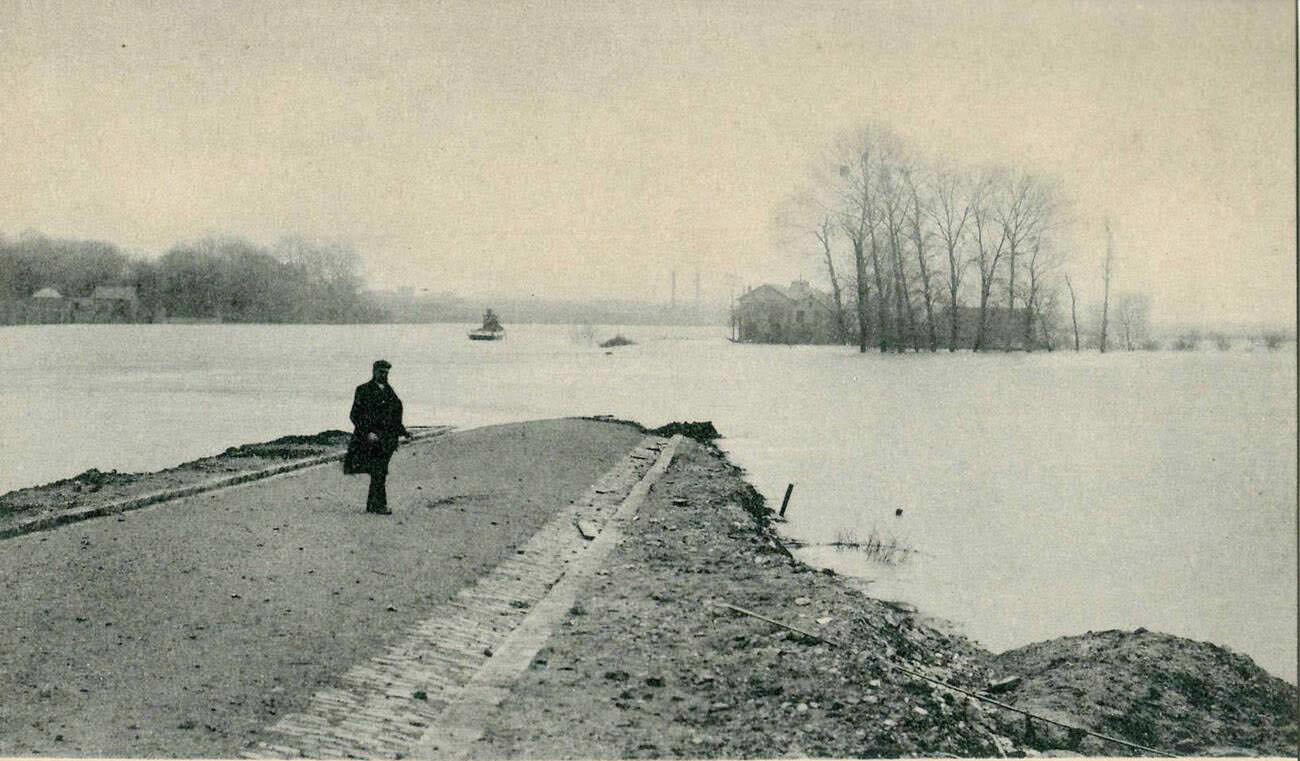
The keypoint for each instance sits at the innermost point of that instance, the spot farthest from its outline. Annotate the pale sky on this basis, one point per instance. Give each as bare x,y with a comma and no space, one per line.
583,148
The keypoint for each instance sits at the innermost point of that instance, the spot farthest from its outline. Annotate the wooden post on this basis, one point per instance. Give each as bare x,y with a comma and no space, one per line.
789,488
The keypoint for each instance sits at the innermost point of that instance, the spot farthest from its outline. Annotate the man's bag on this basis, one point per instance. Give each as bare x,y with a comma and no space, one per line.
357,459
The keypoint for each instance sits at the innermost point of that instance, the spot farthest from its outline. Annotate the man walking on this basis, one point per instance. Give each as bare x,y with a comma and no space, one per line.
377,417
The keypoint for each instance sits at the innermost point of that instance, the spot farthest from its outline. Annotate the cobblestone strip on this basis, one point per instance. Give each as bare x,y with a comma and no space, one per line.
452,735
178,492
384,707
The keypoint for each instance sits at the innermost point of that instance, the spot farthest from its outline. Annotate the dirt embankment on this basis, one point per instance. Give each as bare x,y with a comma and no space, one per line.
27,509
647,665
95,487
1156,689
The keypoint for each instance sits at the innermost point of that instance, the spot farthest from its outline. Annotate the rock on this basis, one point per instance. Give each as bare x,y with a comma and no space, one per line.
1005,684
801,708
1225,751
824,620
802,601
587,529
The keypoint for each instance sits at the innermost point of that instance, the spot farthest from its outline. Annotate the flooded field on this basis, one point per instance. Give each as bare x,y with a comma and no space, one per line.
1042,494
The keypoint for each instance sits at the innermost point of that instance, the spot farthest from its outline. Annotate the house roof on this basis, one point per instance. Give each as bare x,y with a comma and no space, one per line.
115,292
799,290
47,293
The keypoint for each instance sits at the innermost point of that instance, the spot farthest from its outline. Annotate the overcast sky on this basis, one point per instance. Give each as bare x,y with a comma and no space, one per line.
590,148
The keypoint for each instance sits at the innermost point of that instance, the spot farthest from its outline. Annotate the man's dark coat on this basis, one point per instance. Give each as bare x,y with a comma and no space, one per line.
376,410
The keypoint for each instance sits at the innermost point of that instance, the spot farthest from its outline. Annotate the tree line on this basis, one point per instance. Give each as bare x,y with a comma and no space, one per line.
928,255
216,277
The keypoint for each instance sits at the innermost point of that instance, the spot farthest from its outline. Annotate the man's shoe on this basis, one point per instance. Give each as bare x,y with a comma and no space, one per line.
384,511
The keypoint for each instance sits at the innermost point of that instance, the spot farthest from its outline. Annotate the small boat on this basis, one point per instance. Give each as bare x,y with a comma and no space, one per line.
491,329
483,334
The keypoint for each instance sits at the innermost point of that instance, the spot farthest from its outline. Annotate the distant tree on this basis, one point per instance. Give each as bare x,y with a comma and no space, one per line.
1272,339
1133,312
1105,279
190,281
144,275
74,267
1024,206
990,245
1074,313
329,278
825,233
949,213
856,159
1042,260
1188,340
893,204
918,220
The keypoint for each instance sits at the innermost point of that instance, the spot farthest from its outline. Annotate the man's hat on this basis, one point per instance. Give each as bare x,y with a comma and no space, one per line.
382,364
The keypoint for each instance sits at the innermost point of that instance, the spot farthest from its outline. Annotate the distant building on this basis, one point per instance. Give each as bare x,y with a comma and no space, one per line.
46,306
116,303
108,303
793,314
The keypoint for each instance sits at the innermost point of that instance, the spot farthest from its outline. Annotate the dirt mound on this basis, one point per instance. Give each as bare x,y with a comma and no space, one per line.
1166,692
292,447
96,487
703,432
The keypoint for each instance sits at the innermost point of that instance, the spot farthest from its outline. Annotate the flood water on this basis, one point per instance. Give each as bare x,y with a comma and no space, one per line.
1043,494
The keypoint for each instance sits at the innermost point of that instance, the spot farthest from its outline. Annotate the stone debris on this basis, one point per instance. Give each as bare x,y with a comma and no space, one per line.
588,530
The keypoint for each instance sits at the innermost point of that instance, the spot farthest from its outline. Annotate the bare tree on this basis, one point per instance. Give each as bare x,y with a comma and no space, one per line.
1024,209
919,214
949,211
1105,278
1074,313
894,204
1043,260
824,232
990,244
1133,311
1047,309
857,160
